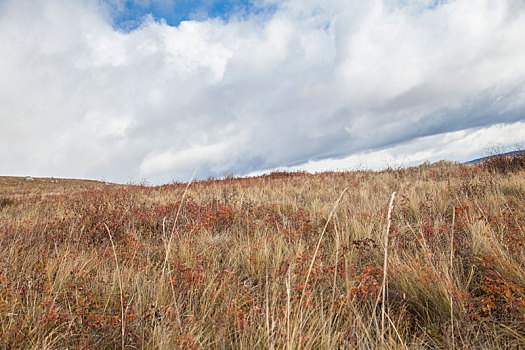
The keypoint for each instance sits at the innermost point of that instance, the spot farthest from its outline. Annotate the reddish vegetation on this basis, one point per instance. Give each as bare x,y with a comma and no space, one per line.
232,263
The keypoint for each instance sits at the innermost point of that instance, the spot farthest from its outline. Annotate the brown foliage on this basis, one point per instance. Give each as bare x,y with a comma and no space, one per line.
245,271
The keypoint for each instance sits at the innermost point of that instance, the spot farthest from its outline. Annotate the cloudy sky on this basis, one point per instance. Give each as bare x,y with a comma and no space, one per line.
153,89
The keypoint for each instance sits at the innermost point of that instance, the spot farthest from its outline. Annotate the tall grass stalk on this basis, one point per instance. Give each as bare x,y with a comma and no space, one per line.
384,285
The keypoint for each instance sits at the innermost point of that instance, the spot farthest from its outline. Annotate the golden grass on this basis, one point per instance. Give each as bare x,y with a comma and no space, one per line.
280,261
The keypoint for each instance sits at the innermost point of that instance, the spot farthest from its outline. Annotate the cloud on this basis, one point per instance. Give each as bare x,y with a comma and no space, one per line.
312,81
453,146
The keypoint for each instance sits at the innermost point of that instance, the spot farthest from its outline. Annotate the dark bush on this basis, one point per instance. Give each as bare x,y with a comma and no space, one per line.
4,202
505,163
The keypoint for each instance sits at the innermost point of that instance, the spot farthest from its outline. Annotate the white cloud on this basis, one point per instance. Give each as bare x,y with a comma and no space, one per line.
316,80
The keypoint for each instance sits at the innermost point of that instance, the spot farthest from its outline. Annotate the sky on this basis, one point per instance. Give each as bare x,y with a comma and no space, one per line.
151,90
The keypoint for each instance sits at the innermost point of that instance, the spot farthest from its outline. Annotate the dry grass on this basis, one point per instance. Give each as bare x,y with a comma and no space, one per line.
11,186
269,262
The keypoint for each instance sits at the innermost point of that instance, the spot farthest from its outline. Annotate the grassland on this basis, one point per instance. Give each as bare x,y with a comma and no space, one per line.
278,261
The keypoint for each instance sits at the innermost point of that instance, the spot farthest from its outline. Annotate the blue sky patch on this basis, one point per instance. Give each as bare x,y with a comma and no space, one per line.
128,15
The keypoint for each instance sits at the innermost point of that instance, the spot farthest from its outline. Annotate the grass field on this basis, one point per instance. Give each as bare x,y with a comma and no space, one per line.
277,261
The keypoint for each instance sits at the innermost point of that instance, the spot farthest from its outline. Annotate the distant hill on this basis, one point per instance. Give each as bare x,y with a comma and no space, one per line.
479,160
15,185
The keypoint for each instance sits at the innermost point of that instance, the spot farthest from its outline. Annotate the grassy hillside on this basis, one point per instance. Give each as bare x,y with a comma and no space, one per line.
279,261
13,187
